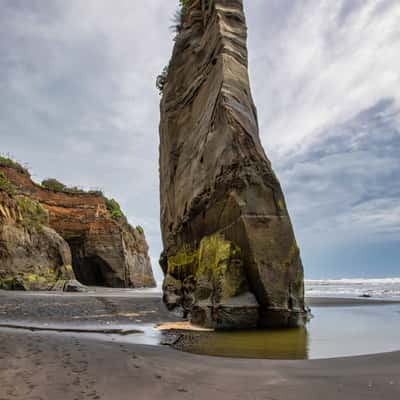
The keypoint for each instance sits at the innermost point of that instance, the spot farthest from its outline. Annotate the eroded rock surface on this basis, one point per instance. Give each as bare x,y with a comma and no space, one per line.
230,256
32,255
106,251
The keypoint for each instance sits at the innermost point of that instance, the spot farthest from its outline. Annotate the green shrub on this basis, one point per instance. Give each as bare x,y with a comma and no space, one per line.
53,184
7,162
57,186
113,208
140,229
162,79
6,185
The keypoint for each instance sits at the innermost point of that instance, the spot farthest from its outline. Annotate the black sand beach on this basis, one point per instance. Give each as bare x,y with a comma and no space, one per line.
45,365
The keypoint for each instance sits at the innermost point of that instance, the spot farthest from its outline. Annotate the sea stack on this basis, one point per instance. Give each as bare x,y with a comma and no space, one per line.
230,256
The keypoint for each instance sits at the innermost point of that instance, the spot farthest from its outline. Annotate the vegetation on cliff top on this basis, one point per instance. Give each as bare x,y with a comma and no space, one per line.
114,208
57,186
32,212
112,205
177,20
53,184
9,163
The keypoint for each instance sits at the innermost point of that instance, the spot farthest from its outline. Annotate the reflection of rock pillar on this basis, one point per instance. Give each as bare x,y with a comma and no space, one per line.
215,179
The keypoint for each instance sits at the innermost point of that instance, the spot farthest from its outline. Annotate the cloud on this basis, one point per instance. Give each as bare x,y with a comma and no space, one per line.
79,103
319,64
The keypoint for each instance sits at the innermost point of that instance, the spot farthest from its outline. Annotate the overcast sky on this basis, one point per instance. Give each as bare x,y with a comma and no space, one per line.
79,103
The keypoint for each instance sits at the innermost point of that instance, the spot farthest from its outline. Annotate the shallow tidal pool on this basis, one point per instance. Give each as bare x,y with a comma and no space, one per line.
333,332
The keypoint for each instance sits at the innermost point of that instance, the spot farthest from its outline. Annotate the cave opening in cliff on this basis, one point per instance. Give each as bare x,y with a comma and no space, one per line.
94,271
91,270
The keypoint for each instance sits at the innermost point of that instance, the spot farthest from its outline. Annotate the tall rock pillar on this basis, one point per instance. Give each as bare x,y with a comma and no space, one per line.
230,256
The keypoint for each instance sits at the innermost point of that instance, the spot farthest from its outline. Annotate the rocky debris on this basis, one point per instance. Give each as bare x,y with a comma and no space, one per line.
106,249
32,255
74,286
230,256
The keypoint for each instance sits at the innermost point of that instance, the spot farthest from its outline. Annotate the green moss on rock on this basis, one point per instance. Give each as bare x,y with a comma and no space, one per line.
216,267
46,279
183,264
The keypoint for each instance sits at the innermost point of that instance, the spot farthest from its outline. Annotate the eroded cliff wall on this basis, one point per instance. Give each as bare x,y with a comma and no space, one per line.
106,251
230,256
32,255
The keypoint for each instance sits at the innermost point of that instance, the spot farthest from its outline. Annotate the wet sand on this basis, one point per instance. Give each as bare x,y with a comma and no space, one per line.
42,365
36,366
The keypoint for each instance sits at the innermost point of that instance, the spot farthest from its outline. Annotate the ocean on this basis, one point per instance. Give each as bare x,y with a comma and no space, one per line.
382,288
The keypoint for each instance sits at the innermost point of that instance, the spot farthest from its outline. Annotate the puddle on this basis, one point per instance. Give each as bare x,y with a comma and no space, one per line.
333,332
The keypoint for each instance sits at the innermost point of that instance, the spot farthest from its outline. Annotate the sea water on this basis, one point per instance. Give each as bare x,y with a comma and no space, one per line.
384,288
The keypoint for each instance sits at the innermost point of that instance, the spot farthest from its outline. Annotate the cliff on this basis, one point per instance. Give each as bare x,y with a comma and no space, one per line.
106,250
230,256
32,255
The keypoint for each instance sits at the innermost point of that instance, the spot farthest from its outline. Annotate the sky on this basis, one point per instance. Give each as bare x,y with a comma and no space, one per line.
79,104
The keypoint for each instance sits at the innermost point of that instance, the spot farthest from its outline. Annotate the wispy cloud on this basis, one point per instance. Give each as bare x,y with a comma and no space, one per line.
79,103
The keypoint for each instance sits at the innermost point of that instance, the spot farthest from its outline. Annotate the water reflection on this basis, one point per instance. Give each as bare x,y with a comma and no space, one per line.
290,344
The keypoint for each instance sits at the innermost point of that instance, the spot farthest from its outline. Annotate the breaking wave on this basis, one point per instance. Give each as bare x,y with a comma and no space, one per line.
376,288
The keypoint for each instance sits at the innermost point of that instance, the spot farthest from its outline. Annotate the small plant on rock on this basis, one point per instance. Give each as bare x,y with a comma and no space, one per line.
113,208
162,79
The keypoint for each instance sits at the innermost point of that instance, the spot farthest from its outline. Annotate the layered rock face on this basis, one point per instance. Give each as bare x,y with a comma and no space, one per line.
105,251
230,256
32,255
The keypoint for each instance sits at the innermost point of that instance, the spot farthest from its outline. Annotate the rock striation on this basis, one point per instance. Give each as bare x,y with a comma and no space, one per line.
32,255
230,256
106,250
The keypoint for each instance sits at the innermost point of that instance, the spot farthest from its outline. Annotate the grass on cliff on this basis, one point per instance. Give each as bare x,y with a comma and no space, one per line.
9,163
6,185
32,214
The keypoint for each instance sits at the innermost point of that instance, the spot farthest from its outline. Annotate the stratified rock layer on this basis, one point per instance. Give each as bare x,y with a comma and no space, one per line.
32,255
216,182
105,251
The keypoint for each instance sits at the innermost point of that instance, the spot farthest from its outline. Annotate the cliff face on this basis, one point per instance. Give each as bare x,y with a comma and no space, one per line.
32,255
230,256
105,251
